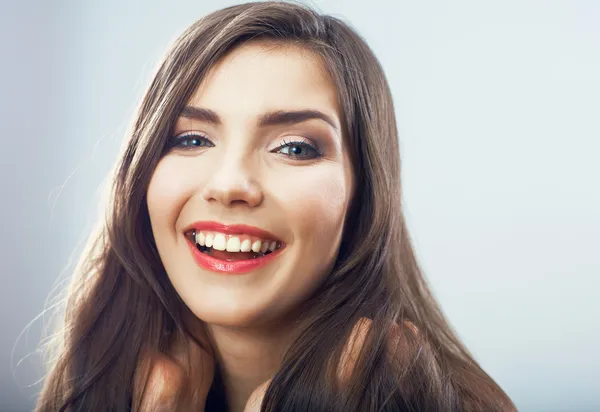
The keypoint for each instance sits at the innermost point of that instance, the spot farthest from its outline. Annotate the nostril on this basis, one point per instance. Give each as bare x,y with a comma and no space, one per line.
234,193
238,201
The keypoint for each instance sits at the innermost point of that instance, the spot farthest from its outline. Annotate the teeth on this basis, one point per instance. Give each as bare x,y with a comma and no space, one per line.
246,246
219,242
242,243
233,244
264,247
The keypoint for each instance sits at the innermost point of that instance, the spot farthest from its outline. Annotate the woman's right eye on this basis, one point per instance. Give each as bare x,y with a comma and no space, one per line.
189,141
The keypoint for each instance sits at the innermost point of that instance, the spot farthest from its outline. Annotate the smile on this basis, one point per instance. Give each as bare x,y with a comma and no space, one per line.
231,249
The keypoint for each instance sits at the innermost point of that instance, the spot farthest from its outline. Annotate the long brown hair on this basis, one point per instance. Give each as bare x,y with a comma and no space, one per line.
121,300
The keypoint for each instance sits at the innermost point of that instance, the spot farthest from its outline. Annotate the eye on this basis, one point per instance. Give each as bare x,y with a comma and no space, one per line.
190,141
298,150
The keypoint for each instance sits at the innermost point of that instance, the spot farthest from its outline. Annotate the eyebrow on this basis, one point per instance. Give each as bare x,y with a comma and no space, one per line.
274,118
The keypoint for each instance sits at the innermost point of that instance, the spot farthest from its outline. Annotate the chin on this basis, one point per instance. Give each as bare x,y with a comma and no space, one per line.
233,316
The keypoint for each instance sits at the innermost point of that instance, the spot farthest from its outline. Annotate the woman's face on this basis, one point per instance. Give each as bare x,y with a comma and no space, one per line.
259,145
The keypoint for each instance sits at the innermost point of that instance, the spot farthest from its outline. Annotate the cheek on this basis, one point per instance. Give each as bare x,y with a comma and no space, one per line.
308,203
314,204
168,192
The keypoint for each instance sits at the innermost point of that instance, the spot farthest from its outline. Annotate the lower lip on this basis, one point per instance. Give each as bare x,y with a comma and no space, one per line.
231,268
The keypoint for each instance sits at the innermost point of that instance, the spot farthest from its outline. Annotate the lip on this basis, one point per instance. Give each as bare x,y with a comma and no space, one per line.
231,267
232,229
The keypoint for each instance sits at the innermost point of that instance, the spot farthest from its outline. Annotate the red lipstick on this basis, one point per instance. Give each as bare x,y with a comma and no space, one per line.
231,267
231,229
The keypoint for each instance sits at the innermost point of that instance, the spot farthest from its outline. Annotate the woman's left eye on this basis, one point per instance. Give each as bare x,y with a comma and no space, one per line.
189,141
299,150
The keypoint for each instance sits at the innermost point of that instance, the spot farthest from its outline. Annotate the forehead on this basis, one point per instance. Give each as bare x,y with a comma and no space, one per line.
259,77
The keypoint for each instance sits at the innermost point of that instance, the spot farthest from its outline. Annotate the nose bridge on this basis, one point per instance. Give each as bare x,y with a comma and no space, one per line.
237,156
233,178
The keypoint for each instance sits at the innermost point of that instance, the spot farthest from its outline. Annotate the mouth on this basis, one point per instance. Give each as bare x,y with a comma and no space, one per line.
232,249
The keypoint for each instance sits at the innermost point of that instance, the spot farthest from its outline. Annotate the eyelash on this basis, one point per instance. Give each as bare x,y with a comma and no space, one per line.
300,143
177,143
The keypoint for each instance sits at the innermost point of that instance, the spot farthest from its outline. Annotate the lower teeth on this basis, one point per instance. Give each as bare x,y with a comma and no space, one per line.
209,250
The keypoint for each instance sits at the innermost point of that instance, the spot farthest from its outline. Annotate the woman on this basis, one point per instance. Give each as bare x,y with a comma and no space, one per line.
255,256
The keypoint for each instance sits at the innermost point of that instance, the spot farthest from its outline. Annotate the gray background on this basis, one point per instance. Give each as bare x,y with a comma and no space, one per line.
498,106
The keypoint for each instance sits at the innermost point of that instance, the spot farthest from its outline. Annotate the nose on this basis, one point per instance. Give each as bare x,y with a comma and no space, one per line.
233,183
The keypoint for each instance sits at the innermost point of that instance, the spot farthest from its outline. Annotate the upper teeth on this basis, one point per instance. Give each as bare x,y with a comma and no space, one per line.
235,243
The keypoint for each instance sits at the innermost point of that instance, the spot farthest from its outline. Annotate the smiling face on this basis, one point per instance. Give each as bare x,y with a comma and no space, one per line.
259,144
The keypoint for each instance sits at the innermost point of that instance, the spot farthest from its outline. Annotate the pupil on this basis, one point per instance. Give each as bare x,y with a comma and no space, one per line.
296,150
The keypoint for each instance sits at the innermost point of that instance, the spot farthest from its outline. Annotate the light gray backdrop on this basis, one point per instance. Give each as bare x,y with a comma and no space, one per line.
498,106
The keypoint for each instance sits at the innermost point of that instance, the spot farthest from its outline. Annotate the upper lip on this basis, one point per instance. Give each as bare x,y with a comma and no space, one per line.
231,229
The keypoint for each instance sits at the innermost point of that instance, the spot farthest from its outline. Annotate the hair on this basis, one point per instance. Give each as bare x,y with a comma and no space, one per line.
121,301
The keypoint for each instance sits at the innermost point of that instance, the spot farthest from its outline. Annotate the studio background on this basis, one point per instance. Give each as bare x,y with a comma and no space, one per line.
498,108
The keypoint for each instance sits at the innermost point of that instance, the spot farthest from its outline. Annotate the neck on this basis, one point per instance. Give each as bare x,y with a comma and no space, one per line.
247,358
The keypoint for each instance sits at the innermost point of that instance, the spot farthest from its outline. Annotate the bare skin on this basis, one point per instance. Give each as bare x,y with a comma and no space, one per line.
248,357
171,387
274,159
240,168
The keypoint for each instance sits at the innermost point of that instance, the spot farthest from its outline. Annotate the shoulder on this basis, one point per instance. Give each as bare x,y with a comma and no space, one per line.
401,338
